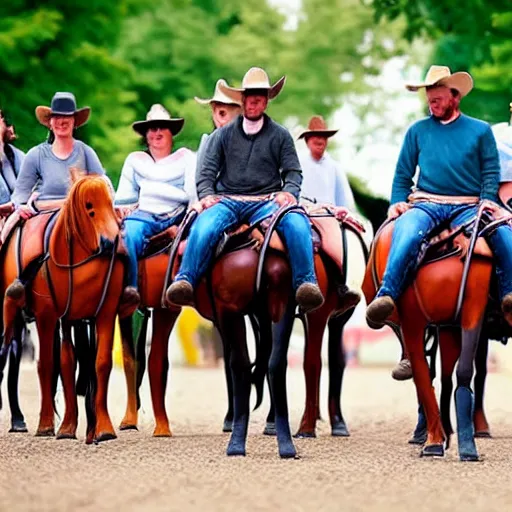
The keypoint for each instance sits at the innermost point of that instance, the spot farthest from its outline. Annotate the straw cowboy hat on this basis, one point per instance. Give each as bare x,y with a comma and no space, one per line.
255,78
218,96
159,117
317,127
63,104
441,75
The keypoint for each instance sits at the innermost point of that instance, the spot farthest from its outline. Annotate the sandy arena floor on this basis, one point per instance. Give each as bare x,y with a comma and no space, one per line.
374,469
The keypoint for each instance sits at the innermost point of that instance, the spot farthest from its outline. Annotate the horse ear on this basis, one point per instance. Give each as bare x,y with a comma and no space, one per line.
76,173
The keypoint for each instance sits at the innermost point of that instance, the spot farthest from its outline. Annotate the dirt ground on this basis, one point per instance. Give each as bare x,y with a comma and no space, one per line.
374,469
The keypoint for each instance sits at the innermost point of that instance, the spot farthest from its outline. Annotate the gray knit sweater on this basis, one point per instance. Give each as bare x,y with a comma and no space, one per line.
237,163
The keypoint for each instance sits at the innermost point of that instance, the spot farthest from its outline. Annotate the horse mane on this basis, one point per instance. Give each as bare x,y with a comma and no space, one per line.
88,196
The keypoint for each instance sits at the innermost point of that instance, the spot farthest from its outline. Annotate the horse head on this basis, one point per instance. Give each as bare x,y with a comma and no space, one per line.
88,214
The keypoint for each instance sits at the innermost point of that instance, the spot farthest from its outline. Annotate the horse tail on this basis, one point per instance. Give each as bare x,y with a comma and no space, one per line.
81,347
260,365
56,365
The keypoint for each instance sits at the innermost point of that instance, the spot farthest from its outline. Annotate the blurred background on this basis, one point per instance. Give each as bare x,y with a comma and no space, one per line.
344,59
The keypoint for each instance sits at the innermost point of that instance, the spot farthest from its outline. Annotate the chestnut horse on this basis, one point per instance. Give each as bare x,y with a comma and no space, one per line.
451,294
225,295
81,278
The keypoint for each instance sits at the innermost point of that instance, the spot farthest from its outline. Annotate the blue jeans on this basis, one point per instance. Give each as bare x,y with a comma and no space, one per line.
138,227
294,229
412,229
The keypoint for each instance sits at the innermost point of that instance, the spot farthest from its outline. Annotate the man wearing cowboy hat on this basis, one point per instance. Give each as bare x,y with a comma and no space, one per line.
326,183
224,110
160,182
458,169
250,169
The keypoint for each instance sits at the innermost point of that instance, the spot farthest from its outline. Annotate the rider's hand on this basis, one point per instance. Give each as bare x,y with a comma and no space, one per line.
284,199
6,209
122,211
497,211
340,212
205,203
397,209
25,212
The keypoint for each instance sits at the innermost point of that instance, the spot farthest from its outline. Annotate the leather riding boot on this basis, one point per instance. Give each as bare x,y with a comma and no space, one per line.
464,407
379,310
309,297
130,296
347,299
180,293
402,371
506,307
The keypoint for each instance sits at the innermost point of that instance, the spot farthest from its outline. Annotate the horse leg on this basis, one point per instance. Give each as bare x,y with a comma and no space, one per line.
158,368
479,419
228,419
46,325
233,331
69,424
277,377
316,322
17,420
129,421
450,351
464,399
104,430
336,370
414,342
270,424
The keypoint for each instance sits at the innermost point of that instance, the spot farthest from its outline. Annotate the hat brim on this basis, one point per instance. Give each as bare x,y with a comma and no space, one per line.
43,115
461,81
223,101
317,133
175,125
236,94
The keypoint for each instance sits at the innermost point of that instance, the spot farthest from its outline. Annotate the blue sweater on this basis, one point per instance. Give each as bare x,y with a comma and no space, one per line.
455,159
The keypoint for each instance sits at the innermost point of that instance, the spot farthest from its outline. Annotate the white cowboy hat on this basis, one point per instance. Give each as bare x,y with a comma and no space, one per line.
218,96
317,126
158,116
63,104
441,75
255,78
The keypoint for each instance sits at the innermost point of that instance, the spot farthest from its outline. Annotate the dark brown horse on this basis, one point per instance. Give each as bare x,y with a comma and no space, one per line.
80,278
451,292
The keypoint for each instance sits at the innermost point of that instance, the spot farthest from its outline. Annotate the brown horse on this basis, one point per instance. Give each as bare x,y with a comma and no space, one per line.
81,278
434,298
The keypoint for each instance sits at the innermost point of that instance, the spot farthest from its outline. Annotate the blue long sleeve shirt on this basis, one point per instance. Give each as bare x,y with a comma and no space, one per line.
455,159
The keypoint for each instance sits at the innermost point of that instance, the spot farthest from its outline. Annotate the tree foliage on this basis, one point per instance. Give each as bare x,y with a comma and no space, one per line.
474,37
121,56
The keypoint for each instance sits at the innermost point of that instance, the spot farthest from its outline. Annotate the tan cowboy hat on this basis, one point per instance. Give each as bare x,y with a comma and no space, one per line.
441,75
317,126
158,116
63,104
218,96
255,78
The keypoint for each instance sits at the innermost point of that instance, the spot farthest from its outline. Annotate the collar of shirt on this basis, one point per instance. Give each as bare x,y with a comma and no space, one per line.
252,127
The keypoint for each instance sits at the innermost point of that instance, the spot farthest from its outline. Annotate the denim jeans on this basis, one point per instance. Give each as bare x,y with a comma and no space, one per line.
138,227
294,229
412,229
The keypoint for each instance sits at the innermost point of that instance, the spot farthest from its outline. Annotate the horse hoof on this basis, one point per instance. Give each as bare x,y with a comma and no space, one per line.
162,432
270,429
340,430
228,426
433,450
235,450
128,426
483,434
18,427
305,435
105,436
49,432
468,457
287,451
65,435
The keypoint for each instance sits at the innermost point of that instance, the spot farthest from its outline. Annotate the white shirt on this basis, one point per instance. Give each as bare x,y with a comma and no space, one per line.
158,186
325,181
503,135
